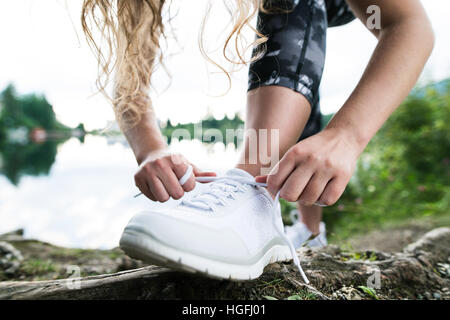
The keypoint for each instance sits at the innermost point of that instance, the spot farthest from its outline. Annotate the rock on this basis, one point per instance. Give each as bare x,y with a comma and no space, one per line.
15,235
10,258
348,293
126,263
444,269
436,295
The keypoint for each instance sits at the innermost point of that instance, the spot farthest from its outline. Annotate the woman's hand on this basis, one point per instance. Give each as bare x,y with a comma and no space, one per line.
315,170
158,175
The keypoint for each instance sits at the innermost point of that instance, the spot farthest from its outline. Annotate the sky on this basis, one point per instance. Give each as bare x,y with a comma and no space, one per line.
43,50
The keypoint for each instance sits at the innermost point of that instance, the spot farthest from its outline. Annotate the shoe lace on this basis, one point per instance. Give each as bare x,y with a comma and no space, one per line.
220,191
225,187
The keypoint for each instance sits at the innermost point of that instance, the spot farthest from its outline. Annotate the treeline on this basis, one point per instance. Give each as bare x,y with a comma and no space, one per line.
28,111
209,123
19,116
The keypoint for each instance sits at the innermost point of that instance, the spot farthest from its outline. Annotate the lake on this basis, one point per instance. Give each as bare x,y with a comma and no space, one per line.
84,195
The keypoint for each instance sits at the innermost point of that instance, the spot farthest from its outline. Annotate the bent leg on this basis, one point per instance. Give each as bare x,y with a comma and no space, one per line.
283,84
311,217
271,108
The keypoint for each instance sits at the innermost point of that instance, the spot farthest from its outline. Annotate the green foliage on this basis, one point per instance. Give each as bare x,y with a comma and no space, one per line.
404,172
28,159
220,127
369,291
18,158
27,111
355,255
37,267
303,295
326,118
11,111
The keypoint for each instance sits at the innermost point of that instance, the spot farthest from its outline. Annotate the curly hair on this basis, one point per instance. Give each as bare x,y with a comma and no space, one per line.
126,35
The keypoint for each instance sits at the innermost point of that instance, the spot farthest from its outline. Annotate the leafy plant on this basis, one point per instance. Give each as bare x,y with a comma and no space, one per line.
369,291
404,171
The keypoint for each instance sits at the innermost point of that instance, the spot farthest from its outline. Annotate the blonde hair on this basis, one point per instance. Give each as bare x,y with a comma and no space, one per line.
131,33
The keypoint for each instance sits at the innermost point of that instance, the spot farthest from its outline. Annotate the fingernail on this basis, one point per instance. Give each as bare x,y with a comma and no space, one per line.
320,204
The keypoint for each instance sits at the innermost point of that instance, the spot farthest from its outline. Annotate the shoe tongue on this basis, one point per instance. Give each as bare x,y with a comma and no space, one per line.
240,173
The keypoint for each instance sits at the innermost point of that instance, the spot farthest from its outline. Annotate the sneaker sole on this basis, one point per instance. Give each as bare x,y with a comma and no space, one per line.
141,246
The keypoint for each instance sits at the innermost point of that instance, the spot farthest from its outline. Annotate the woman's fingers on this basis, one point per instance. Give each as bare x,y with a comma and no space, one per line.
171,183
180,169
281,172
200,173
151,196
143,187
159,178
261,179
158,189
296,183
189,185
205,174
315,187
333,191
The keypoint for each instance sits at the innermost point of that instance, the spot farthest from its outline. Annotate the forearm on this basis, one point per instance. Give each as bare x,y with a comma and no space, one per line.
145,137
393,70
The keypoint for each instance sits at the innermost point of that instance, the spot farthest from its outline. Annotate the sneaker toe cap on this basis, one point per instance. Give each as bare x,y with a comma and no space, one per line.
209,241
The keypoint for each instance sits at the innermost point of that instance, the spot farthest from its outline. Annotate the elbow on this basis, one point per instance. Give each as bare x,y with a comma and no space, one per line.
417,28
430,39
426,39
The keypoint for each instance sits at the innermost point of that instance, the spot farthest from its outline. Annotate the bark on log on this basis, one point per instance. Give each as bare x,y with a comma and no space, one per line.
407,274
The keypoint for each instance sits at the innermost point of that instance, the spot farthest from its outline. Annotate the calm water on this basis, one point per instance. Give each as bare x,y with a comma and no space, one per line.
82,194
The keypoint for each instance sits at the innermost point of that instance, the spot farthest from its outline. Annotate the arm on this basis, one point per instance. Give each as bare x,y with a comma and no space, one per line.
145,137
159,171
317,170
405,43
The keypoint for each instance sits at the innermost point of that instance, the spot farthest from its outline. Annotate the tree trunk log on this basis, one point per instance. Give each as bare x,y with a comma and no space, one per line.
422,267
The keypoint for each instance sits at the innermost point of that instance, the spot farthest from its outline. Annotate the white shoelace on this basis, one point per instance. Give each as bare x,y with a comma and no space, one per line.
223,189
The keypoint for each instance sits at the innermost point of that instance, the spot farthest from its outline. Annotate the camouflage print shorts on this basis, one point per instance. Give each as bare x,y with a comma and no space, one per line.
295,53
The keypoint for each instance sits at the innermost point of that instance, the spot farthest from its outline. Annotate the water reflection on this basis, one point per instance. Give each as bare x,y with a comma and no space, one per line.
81,194
29,134
77,191
29,159
33,159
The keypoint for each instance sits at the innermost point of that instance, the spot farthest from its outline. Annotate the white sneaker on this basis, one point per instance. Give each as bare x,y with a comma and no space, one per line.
230,230
300,235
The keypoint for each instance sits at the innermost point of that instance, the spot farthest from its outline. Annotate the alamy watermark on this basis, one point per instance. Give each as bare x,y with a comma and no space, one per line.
374,280
374,20
261,146
73,282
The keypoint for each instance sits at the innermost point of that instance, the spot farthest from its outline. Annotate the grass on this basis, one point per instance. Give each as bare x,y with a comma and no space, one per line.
300,295
37,267
355,255
369,292
347,219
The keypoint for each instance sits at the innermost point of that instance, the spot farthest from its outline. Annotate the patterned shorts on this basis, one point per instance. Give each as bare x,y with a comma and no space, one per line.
295,53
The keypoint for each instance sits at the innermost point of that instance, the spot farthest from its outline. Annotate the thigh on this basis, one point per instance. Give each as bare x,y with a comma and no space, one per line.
338,13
